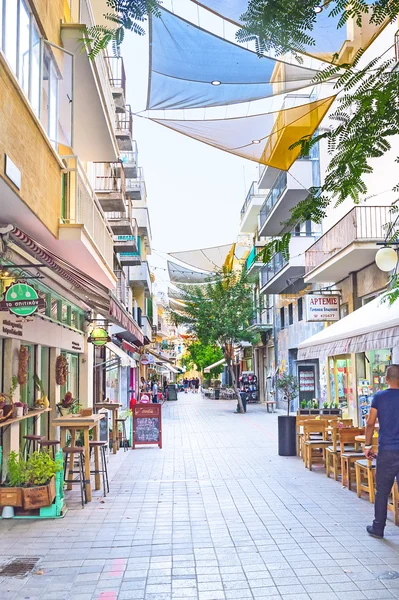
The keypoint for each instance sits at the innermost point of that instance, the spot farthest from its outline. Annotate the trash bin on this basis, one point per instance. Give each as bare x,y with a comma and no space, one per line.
217,393
244,398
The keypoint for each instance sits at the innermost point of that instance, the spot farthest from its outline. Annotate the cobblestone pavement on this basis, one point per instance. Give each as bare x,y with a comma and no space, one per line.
215,515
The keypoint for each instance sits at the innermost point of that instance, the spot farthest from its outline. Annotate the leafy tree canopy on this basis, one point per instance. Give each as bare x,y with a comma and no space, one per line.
202,356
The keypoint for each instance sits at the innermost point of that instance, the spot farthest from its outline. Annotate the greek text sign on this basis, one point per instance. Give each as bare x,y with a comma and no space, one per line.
21,299
321,307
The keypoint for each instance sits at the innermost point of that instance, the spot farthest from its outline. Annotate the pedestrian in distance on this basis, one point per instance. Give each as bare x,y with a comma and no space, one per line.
155,393
196,385
385,408
185,385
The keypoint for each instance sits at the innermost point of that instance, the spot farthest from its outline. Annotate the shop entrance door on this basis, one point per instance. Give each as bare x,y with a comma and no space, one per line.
307,382
341,385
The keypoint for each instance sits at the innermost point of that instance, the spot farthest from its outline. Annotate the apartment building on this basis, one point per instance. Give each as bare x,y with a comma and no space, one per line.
74,220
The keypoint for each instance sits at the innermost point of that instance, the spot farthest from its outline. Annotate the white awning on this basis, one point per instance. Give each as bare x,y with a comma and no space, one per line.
216,364
371,327
126,360
205,259
170,368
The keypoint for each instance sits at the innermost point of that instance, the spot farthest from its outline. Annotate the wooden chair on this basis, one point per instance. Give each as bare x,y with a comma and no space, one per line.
393,503
346,422
300,422
333,452
312,429
365,473
349,456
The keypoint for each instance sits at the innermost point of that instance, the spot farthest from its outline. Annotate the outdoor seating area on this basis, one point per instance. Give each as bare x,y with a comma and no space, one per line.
333,444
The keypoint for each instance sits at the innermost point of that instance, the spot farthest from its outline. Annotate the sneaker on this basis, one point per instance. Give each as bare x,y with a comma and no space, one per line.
371,531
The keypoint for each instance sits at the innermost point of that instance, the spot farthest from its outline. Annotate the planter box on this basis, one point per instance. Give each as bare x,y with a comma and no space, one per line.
315,411
304,411
335,411
11,496
326,411
36,497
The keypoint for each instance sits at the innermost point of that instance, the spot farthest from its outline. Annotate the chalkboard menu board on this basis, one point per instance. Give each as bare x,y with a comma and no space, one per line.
147,424
104,426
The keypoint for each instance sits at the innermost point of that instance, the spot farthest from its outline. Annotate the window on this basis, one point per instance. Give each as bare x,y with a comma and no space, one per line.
282,318
300,309
344,310
10,33
35,74
24,47
290,314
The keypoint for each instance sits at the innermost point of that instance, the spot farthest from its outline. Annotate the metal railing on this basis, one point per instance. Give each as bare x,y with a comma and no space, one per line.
130,156
361,224
109,177
125,215
275,265
81,207
251,258
117,72
124,122
81,13
121,287
137,184
273,197
253,191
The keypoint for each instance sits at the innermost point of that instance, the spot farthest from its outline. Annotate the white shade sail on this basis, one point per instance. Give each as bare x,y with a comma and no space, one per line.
180,274
205,259
371,327
216,364
126,360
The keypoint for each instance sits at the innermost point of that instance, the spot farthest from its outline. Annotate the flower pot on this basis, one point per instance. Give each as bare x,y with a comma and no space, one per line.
18,412
11,496
39,496
287,435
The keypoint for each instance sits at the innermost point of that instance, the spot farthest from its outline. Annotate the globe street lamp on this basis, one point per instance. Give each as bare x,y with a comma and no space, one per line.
386,259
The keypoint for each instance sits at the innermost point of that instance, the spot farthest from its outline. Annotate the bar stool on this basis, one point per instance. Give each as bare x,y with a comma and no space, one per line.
70,453
31,441
101,446
44,443
125,441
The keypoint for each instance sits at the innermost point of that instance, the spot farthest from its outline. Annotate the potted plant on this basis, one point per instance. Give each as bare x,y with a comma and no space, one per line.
18,410
288,387
43,401
303,408
314,407
30,483
326,409
69,405
335,409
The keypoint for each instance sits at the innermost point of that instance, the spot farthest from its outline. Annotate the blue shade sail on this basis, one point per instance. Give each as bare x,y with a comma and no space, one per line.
185,60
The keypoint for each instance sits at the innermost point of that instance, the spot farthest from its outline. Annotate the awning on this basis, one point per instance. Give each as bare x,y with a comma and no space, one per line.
168,366
216,364
122,318
125,359
371,327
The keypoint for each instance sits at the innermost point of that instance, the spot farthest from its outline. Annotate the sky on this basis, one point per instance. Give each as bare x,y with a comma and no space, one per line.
195,192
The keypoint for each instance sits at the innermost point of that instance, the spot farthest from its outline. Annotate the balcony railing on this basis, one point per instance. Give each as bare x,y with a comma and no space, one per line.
253,191
273,197
117,72
130,156
251,259
80,12
121,287
81,207
275,265
109,177
361,224
124,122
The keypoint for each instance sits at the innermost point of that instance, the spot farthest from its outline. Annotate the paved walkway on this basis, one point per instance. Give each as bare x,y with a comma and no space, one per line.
215,515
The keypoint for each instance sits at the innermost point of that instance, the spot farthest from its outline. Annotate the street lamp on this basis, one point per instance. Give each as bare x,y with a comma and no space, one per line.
386,259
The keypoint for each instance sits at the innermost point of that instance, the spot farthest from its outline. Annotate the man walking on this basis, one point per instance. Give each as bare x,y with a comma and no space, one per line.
155,393
385,407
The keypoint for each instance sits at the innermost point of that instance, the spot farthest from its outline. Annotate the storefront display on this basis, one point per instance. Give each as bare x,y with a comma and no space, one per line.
342,391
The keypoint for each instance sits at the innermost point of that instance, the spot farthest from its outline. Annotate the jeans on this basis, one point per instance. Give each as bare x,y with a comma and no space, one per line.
386,470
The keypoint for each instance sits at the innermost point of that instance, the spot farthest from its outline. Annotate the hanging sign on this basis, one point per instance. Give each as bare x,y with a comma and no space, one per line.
21,299
321,307
99,336
147,359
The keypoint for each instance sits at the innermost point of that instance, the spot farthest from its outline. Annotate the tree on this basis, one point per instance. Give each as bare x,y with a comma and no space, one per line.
203,355
366,113
219,313
288,386
124,15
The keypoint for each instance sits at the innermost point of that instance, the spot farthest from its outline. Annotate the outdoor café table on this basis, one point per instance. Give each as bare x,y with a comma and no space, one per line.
73,424
114,408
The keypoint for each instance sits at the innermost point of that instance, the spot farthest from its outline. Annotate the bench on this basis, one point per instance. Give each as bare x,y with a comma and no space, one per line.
270,404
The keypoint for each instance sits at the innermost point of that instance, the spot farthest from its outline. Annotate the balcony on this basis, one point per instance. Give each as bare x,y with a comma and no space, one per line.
281,275
117,80
252,266
121,222
109,185
348,246
139,276
128,248
250,209
288,189
135,186
129,161
146,328
94,108
124,130
263,320
84,226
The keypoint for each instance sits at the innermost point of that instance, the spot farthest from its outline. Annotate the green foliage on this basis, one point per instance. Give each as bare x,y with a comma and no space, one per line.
126,15
288,386
202,356
13,386
39,384
37,470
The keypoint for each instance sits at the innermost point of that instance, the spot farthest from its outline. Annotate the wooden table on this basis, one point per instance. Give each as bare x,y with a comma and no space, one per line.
73,424
114,408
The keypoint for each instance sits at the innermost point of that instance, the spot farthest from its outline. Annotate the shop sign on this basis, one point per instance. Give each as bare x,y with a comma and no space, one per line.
21,299
99,336
147,359
322,307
